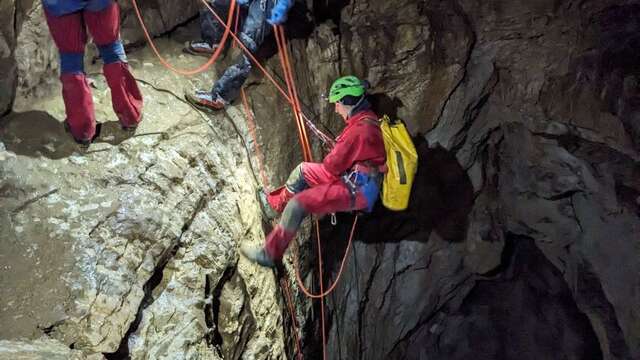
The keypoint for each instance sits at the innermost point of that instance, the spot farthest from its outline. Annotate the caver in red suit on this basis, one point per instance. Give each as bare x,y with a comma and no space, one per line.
68,21
347,179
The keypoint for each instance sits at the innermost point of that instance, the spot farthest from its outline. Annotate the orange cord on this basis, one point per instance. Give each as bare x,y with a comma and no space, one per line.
206,65
235,30
294,322
342,263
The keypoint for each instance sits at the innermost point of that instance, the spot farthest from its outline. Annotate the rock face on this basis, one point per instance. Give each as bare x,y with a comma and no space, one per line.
521,240
526,212
7,60
130,249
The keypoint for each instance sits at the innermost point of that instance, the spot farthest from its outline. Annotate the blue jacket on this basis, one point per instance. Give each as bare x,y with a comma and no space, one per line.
279,11
64,7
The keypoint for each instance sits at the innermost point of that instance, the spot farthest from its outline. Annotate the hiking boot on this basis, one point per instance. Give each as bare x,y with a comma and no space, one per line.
267,210
257,255
204,100
200,48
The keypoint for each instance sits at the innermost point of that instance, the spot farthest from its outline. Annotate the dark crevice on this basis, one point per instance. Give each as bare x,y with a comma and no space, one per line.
215,338
208,309
328,10
593,301
531,290
628,197
565,195
473,39
156,278
506,257
363,304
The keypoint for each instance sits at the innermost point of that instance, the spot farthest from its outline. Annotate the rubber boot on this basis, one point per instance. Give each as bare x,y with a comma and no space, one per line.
277,242
126,97
279,198
78,105
257,254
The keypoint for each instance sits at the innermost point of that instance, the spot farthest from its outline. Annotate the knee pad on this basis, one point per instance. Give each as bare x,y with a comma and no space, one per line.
72,63
296,182
112,53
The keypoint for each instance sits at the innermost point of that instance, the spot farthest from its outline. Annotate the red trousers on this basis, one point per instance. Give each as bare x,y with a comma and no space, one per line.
69,32
325,193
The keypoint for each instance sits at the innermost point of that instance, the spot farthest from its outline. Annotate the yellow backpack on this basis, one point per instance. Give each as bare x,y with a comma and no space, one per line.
402,164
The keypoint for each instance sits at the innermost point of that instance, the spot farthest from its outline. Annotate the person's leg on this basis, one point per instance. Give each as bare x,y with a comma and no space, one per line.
303,176
321,199
104,25
227,88
69,34
254,30
211,29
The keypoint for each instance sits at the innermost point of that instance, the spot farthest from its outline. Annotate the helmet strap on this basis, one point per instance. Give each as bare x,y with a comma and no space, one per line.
355,106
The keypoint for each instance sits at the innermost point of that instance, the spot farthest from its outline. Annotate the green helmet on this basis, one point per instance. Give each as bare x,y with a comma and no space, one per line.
345,86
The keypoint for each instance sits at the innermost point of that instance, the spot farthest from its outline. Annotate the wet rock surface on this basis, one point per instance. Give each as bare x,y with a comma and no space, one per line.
126,249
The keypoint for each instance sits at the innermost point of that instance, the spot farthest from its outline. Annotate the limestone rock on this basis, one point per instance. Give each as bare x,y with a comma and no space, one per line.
132,237
42,349
7,61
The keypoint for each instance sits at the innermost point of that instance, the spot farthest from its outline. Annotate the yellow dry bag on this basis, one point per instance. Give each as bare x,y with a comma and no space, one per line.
402,164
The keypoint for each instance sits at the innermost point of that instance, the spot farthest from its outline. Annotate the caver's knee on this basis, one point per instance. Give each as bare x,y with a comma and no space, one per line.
296,181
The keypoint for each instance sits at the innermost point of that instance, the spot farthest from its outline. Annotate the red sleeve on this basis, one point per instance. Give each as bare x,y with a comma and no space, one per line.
341,157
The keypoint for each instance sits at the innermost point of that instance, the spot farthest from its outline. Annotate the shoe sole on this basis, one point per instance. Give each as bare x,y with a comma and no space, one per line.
200,105
197,53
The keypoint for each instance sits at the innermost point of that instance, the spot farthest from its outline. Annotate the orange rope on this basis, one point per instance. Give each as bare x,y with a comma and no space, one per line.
306,154
333,286
321,280
306,149
248,53
288,70
206,65
235,30
294,322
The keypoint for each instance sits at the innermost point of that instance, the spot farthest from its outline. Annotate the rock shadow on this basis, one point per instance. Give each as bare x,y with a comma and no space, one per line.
441,200
37,133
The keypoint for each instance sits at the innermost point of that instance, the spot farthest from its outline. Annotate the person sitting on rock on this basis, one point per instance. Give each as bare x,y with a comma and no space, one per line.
255,28
68,21
348,178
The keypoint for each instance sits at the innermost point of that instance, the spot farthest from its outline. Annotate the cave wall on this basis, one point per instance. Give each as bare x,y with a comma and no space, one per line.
524,218
534,103
7,61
